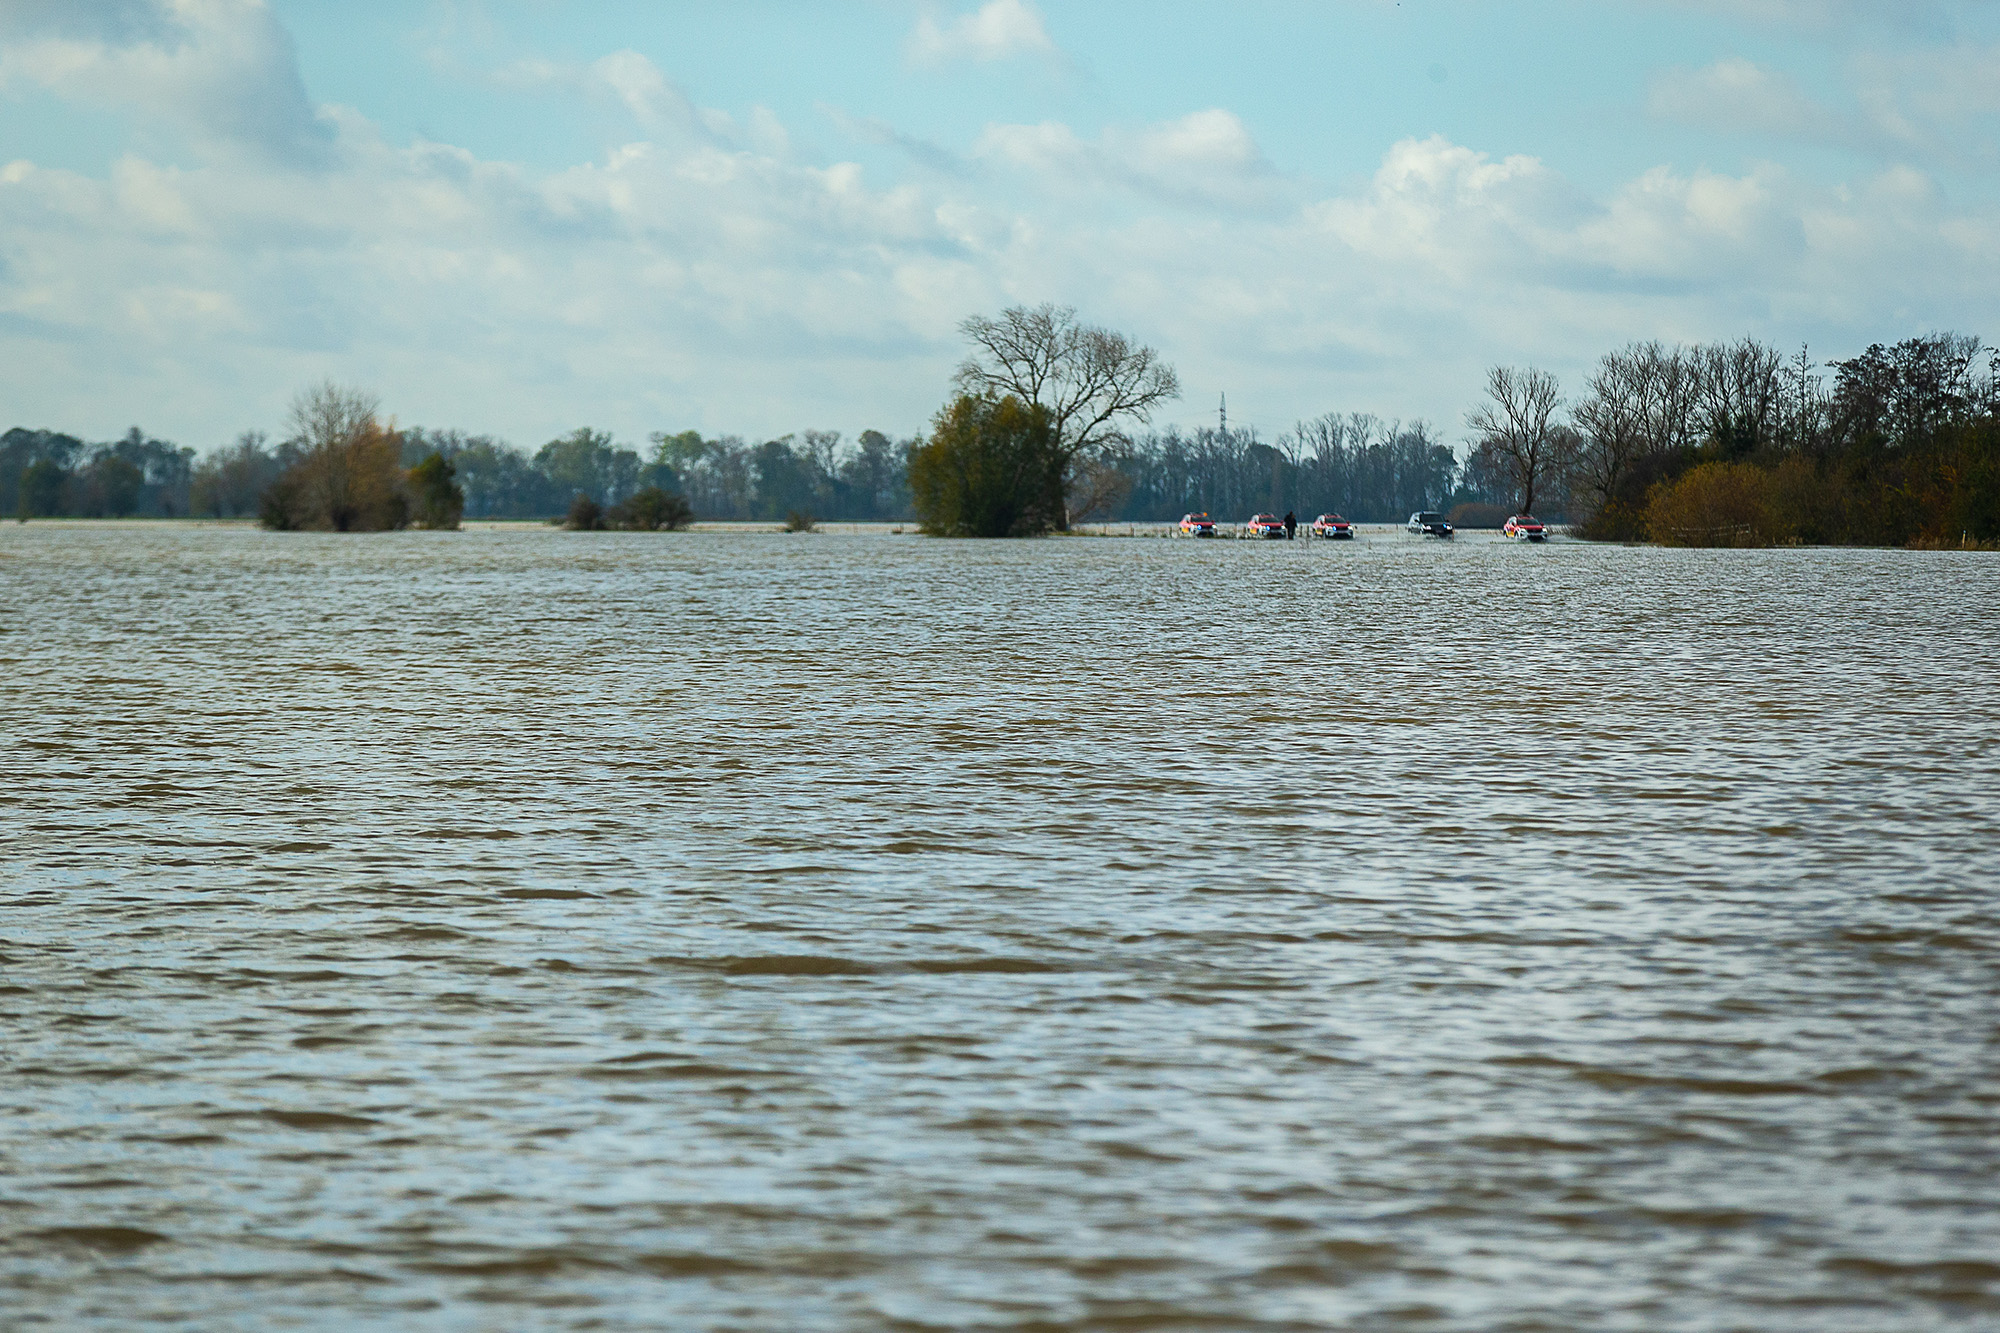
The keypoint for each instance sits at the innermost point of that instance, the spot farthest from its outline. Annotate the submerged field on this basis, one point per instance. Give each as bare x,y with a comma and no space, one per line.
520,929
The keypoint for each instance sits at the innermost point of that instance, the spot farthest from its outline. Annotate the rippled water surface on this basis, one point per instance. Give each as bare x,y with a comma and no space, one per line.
526,930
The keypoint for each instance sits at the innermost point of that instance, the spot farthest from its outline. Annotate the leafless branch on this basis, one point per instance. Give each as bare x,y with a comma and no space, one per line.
1088,378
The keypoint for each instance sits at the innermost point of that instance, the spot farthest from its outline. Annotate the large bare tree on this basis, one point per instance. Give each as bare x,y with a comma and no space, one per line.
1518,426
1089,379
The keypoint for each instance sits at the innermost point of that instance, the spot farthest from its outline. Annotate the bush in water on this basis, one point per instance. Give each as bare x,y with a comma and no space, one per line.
990,469
649,510
343,470
439,501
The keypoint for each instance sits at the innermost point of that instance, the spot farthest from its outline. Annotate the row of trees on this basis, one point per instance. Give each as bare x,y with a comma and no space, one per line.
1726,442
48,473
1734,443
1722,443
1354,464
1359,465
814,473
722,478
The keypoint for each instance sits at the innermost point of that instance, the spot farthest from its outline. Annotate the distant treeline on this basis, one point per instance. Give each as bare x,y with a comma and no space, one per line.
1360,466
1700,445
1356,465
48,474
721,478
1730,444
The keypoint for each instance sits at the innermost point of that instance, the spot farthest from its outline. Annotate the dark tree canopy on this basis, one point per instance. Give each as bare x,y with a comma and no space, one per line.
438,501
991,468
1735,444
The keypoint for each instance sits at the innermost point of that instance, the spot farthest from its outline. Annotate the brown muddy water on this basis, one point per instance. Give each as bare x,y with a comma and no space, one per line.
526,930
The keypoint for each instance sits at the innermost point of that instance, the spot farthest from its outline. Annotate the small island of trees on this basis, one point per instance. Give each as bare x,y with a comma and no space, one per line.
341,471
1040,402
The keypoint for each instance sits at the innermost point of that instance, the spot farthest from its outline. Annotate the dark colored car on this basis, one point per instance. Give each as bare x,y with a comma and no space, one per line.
1424,523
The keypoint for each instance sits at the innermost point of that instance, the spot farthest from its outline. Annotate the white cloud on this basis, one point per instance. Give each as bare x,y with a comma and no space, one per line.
707,275
1441,209
996,30
1738,95
1938,104
1204,159
222,71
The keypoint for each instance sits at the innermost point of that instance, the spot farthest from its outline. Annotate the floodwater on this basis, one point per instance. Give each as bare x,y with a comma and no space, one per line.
517,929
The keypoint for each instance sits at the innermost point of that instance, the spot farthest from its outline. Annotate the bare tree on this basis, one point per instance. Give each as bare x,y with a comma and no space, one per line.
1639,404
1518,427
1803,419
1740,390
822,448
1097,486
343,468
1612,422
1088,378
329,415
1669,397
328,422
228,481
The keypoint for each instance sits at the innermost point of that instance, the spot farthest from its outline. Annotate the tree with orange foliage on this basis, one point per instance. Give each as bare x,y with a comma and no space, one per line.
343,467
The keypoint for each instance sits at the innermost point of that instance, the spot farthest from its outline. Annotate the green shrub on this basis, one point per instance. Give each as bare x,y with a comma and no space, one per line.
439,502
991,468
585,515
654,508
649,510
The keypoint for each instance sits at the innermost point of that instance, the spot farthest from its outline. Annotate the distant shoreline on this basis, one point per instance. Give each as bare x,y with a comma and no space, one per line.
1368,532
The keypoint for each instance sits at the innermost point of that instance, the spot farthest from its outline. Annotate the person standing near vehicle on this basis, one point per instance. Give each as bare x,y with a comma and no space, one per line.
1291,525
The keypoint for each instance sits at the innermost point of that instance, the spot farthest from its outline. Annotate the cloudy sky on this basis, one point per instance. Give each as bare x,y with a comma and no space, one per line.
521,216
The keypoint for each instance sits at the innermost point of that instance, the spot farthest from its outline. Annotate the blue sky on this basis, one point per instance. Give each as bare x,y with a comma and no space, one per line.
758,218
